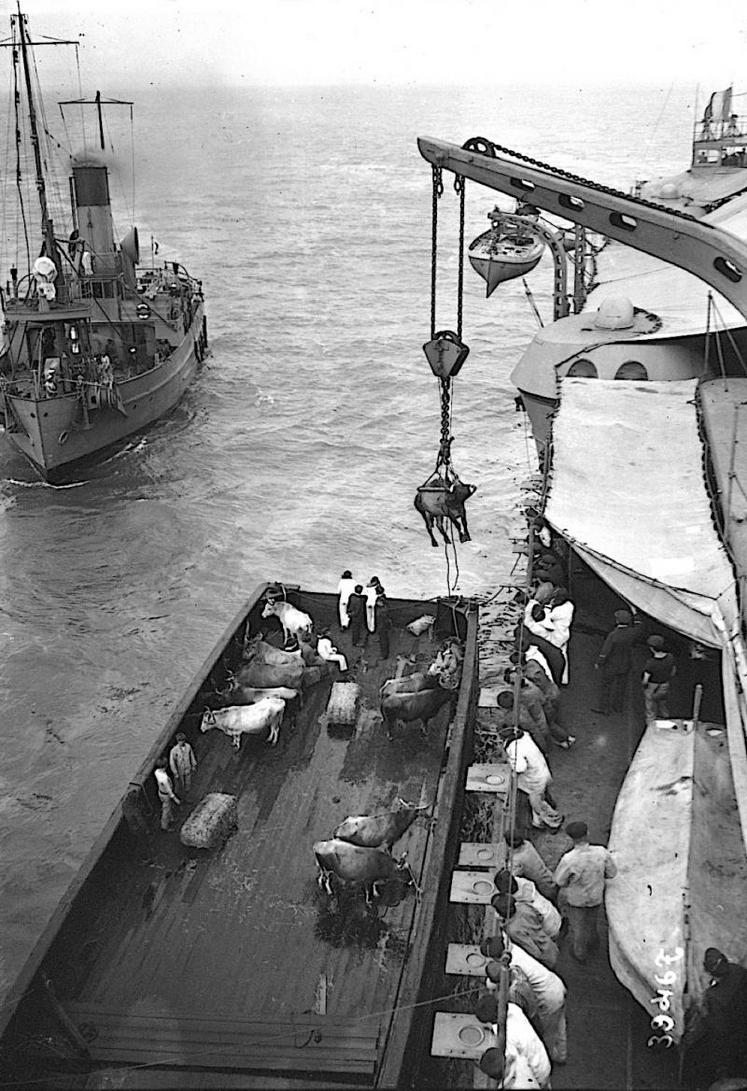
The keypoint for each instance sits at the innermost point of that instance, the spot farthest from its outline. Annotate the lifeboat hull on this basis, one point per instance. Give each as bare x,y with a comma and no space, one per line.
500,259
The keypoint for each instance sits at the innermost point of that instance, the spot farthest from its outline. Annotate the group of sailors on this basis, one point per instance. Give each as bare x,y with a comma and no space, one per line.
365,611
63,375
524,950
536,906
181,764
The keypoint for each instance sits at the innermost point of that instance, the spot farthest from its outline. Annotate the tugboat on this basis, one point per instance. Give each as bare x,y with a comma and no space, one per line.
92,349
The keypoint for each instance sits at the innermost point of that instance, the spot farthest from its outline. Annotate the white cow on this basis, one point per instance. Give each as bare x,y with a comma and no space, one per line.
237,694
238,720
294,621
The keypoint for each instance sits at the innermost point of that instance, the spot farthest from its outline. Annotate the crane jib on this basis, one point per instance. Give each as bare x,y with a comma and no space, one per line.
710,253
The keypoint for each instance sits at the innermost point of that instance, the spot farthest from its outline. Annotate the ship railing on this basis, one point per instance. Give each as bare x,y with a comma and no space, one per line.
169,277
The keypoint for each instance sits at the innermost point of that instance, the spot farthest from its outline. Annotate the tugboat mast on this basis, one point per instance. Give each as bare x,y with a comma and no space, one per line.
47,224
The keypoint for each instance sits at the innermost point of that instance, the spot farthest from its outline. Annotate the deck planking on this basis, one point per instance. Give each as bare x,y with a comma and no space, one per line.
246,934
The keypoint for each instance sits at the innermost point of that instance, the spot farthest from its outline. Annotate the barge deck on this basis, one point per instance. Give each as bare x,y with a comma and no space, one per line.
181,967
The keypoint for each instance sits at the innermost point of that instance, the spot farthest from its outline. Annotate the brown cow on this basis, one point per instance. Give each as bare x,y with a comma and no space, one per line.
421,706
441,501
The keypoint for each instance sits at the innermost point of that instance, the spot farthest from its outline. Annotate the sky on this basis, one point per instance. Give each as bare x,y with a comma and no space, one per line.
282,42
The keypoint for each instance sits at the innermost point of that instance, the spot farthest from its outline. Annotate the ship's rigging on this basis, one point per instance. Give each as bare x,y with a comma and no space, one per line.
441,497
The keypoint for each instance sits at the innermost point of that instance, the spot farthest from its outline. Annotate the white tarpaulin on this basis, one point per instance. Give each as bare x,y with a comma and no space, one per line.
628,491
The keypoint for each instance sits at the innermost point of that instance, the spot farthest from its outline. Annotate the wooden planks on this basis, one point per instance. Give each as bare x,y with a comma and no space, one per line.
299,1043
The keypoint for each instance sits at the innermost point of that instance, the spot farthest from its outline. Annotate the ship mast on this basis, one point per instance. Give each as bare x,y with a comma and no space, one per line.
47,225
25,43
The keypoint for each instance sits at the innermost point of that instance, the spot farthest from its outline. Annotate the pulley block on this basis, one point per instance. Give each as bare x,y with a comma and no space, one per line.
445,354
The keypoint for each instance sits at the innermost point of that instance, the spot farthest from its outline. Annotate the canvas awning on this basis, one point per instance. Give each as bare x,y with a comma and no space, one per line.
627,490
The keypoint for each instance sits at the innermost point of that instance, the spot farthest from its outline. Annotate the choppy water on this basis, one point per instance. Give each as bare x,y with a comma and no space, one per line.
297,451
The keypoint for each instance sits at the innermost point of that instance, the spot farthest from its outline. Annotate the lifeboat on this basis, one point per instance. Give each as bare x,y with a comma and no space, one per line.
511,248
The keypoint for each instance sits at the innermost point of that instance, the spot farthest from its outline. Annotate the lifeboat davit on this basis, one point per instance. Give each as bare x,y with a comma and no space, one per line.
511,248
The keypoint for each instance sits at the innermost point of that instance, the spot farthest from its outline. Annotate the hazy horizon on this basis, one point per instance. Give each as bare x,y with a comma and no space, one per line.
318,43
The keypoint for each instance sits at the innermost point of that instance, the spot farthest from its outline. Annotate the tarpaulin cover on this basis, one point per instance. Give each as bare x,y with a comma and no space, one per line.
628,491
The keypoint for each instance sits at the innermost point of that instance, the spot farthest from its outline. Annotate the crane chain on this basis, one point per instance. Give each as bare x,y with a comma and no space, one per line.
483,146
459,187
438,189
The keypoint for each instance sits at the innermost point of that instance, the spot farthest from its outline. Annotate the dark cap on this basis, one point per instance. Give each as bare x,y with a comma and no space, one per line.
347,575
492,1063
492,946
655,641
623,617
577,830
714,960
504,905
486,1008
505,882
493,971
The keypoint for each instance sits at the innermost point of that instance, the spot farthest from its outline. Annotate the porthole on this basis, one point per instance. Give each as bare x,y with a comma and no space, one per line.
631,369
582,369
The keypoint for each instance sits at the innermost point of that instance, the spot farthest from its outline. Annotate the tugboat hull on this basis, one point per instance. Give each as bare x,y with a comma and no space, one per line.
55,434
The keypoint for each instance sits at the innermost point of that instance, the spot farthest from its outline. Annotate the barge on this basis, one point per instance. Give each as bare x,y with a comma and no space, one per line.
169,966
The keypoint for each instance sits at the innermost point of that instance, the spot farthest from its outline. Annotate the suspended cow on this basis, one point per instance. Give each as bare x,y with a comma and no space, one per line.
439,500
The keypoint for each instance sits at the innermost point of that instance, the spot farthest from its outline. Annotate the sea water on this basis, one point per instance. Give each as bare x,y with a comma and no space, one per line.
298,450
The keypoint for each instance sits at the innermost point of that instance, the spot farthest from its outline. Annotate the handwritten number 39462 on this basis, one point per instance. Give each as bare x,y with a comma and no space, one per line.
662,1022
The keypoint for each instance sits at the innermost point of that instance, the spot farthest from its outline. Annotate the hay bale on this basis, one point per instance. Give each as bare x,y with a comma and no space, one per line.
211,823
342,707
